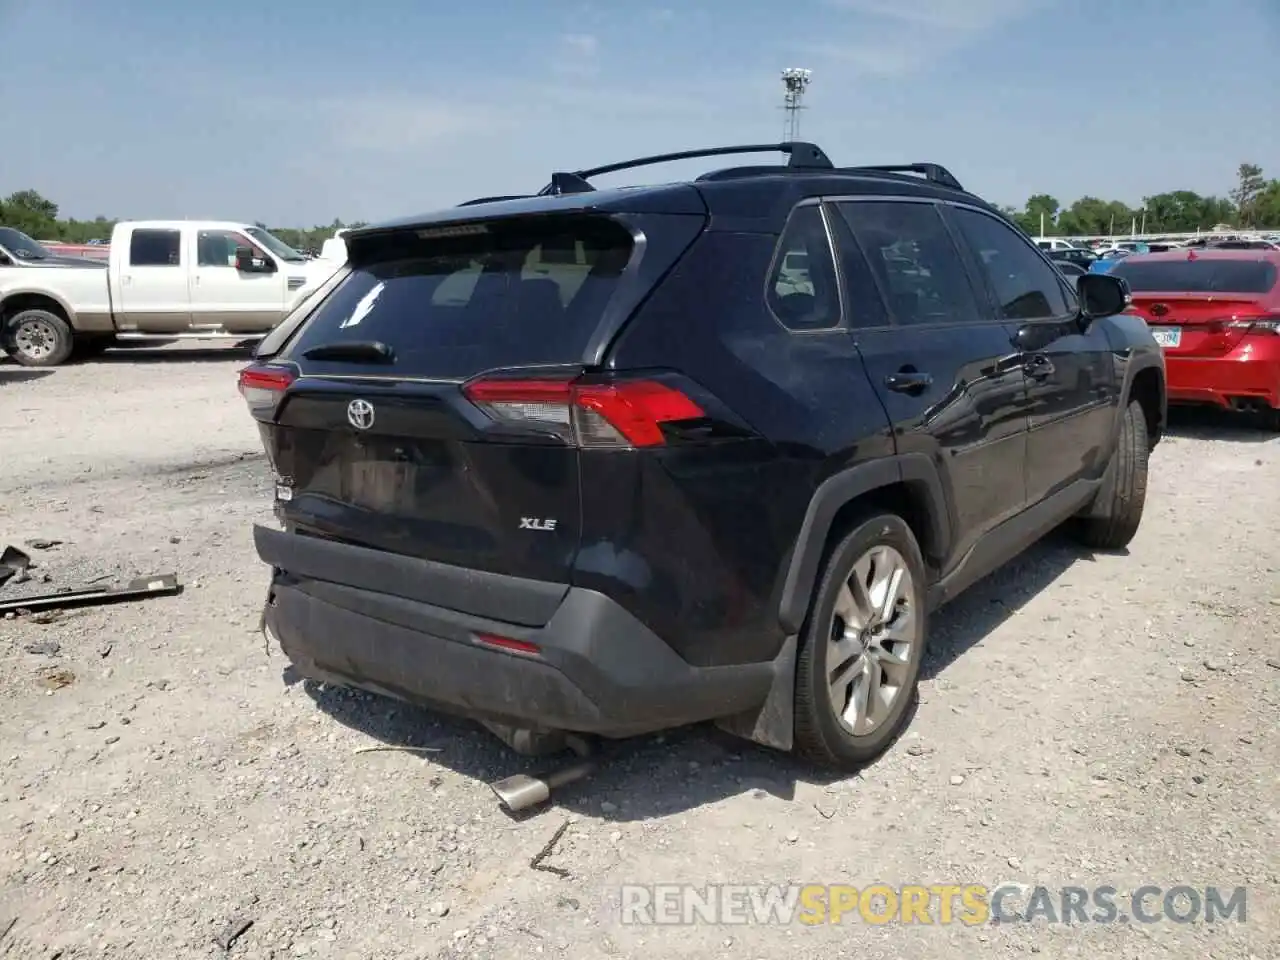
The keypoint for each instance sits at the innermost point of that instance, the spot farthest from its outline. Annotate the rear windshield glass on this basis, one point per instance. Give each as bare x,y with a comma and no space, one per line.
1197,276
509,294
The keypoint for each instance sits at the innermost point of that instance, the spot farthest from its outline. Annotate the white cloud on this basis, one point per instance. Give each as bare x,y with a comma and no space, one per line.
583,44
963,16
579,55
382,124
893,38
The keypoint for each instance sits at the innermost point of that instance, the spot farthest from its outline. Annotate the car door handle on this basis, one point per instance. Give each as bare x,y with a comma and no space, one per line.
910,382
1038,367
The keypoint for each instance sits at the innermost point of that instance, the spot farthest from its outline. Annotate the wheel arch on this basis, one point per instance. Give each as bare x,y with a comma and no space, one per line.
1147,386
906,484
16,301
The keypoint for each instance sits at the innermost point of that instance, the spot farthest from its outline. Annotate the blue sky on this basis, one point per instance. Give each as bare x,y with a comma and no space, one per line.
296,112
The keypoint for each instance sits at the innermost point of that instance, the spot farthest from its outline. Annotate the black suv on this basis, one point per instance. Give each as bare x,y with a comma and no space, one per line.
614,461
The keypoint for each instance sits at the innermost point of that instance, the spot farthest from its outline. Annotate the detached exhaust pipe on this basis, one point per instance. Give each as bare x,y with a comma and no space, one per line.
523,791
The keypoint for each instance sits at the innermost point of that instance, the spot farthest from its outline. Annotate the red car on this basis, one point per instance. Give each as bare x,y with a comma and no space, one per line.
1217,315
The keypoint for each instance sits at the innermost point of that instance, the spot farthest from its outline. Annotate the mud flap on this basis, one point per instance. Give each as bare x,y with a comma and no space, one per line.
773,724
1100,504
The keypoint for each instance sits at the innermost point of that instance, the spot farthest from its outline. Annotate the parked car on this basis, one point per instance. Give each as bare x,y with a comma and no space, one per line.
18,248
1076,255
1068,269
162,280
1108,260
1216,313
1252,243
589,461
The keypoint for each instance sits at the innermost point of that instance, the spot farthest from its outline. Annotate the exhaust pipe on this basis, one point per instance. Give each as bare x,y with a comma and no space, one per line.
523,791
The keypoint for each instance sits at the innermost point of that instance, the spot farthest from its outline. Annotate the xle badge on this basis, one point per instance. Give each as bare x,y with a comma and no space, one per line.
534,523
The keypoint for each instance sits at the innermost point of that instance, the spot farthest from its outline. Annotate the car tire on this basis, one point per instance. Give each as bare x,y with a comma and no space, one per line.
1117,523
38,338
857,668
1269,419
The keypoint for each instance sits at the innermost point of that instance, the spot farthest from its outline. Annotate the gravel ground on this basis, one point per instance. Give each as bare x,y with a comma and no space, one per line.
1085,720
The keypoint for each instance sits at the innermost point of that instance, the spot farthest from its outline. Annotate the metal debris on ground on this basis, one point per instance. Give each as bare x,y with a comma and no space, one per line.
395,749
14,563
547,849
160,585
41,543
232,932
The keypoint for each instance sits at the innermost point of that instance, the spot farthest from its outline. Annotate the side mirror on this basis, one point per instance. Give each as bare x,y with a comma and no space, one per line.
247,262
1101,295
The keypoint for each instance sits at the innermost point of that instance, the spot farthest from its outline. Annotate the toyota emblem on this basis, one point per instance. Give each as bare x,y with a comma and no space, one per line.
360,414
1159,309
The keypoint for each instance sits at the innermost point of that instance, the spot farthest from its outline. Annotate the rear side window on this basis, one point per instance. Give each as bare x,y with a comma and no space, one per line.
1197,276
914,261
802,289
505,294
155,248
1026,288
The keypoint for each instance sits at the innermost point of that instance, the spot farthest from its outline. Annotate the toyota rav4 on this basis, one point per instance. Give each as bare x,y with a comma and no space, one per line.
614,461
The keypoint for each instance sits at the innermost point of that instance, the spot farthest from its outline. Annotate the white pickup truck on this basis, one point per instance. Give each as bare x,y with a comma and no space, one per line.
163,280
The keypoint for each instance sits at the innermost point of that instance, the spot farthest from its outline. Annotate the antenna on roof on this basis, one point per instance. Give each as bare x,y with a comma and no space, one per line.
795,81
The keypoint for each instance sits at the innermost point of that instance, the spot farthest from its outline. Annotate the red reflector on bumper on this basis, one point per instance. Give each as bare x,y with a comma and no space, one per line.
507,643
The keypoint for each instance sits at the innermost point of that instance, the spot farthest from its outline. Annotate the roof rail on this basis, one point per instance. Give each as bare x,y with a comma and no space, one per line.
800,154
933,172
514,196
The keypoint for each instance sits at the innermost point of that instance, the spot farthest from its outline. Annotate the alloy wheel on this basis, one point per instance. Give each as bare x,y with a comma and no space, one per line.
35,338
869,648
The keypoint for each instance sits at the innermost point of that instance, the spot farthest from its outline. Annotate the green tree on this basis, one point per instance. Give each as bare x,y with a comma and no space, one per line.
1183,211
1267,206
1042,207
1250,187
29,212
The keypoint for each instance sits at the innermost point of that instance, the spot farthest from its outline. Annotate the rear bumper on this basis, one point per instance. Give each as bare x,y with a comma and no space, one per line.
355,616
1244,373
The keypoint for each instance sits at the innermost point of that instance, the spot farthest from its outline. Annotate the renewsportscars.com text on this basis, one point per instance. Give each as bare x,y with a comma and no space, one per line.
943,904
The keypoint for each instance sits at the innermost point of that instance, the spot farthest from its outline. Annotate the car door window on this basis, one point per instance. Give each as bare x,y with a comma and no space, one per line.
217,248
1025,287
802,289
155,248
914,260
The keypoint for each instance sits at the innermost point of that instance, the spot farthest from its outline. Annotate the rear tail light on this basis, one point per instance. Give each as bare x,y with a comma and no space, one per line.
625,414
1254,324
262,387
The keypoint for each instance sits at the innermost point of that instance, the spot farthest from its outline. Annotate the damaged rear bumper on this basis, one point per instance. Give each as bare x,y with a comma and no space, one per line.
417,630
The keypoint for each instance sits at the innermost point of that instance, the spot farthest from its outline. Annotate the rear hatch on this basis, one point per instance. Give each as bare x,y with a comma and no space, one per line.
435,403
1199,306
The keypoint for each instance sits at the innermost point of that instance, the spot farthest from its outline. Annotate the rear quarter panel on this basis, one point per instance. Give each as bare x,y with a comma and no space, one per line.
82,292
696,541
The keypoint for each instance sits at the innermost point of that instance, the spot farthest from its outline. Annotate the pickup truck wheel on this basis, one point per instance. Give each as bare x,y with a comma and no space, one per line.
38,338
1116,524
862,646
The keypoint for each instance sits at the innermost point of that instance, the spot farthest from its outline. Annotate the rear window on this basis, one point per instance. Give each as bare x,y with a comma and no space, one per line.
507,294
1197,276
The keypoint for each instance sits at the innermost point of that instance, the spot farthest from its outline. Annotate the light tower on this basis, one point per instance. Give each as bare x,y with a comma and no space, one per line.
795,81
